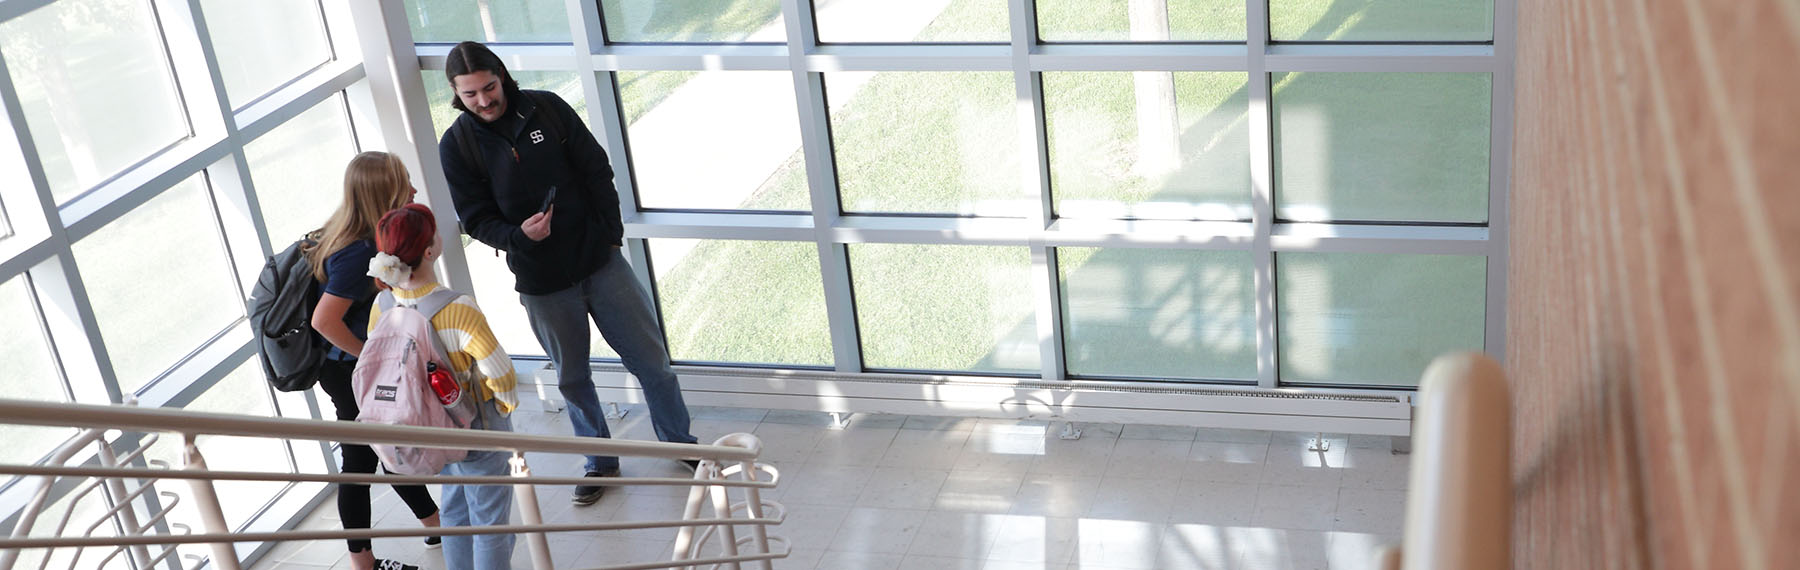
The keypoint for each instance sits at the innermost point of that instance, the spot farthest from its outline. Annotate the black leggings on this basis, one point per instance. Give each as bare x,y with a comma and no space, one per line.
353,498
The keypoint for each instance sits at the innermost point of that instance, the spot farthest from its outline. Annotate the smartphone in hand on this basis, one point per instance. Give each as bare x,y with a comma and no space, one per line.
549,200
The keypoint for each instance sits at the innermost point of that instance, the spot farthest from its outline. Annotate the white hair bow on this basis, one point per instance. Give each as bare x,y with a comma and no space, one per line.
389,269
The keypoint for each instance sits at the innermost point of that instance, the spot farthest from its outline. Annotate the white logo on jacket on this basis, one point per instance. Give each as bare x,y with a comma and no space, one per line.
537,136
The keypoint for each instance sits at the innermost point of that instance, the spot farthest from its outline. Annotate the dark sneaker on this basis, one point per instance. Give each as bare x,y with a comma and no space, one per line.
386,564
692,464
434,541
588,494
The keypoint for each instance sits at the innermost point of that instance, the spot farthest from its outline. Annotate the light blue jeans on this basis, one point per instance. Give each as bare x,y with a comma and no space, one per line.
621,310
479,505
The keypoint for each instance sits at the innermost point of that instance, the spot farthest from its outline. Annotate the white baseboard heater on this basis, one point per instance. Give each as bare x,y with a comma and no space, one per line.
1008,398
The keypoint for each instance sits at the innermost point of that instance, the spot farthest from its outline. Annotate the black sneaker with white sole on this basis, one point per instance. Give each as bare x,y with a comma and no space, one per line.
387,564
434,541
589,494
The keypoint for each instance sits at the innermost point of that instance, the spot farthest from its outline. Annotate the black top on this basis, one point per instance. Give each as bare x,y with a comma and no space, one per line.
523,160
347,276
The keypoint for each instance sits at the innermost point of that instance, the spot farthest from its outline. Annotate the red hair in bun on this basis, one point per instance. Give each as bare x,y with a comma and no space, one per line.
406,233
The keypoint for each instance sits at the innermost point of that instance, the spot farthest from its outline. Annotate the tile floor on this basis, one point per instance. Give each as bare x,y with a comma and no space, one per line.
905,492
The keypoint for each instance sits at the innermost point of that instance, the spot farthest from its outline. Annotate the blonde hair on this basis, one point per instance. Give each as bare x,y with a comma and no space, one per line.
374,183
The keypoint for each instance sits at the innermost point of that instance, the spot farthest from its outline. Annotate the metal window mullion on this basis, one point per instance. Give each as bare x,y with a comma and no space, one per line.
58,294
1034,166
821,180
278,107
40,224
1262,189
242,233
402,119
1500,174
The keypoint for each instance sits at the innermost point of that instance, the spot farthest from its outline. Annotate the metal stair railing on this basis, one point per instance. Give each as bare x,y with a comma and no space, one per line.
728,464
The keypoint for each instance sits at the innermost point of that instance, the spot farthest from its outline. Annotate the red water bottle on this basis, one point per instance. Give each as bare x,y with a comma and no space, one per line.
450,394
442,384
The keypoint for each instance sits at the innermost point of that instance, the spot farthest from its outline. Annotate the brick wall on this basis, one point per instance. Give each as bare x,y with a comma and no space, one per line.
1653,329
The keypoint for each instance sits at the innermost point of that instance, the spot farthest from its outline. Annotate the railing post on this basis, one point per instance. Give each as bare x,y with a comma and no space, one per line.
753,509
529,511
722,509
206,502
684,538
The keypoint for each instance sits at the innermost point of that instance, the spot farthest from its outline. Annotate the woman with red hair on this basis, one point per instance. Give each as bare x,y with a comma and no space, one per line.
408,247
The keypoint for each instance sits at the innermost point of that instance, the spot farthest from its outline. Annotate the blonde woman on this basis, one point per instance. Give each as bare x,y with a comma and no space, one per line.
374,183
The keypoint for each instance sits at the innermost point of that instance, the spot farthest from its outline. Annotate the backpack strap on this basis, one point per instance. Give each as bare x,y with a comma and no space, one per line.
463,130
429,305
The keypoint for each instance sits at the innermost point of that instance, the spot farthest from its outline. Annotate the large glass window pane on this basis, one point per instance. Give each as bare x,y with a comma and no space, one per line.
886,21
927,142
564,83
1149,144
452,21
715,140
693,21
1404,147
1348,318
1158,313
261,45
1140,20
298,169
159,282
1381,20
742,301
494,284
945,307
30,374
73,62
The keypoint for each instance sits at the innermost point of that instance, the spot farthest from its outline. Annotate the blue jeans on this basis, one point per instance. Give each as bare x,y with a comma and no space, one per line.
621,311
479,505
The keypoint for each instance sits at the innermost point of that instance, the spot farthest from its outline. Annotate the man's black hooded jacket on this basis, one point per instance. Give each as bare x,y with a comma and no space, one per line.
523,159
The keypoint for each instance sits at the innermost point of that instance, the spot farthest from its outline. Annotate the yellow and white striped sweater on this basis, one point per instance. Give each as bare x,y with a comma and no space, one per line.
471,346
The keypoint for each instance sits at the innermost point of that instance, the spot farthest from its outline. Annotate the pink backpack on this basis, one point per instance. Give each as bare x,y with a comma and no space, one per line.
391,383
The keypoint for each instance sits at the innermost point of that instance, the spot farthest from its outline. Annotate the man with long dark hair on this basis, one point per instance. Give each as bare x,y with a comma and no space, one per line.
529,179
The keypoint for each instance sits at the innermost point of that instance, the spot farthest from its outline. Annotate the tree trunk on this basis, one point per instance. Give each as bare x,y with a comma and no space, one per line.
1159,134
